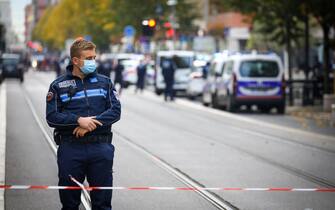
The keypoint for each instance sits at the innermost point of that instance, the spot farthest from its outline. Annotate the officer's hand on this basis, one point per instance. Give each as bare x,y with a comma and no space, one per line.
97,122
88,123
79,132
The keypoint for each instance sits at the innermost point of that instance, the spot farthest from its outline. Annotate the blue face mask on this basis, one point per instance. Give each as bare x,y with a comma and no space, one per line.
88,67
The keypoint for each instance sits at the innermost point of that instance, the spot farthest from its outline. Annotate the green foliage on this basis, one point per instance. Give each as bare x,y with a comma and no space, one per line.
272,18
103,19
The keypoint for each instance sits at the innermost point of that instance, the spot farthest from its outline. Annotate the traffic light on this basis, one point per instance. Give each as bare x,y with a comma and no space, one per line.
148,27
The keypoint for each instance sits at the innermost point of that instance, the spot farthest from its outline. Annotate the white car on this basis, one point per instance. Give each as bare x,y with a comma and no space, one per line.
183,61
197,77
130,71
213,79
130,61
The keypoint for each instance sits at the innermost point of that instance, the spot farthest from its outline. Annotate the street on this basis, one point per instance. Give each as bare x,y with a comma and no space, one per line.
179,144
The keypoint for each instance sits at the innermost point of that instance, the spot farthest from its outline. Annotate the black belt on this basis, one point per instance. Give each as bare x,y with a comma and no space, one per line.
98,138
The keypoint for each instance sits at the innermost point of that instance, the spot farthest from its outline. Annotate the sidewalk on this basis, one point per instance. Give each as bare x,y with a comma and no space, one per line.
312,118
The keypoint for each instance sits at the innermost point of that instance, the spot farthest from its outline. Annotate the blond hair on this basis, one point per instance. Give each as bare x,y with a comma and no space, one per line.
81,45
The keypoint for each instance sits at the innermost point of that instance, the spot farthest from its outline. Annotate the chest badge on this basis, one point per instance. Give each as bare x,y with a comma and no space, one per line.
67,83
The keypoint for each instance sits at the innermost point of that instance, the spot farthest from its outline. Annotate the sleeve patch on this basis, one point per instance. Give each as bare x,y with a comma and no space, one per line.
50,96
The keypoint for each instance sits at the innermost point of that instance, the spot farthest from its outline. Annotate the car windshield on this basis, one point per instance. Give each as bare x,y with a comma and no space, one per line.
259,68
10,61
130,63
182,62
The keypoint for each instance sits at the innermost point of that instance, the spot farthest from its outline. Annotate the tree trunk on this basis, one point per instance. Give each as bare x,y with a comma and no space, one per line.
289,52
308,88
326,61
307,67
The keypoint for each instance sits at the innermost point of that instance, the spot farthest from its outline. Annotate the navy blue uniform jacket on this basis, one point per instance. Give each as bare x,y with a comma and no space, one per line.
69,98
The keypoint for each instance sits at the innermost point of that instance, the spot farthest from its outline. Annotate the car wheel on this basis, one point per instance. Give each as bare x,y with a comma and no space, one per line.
215,103
265,109
231,106
21,78
158,92
126,85
204,102
281,109
191,97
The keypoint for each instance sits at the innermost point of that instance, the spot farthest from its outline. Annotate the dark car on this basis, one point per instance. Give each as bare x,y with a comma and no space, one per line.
1,76
11,66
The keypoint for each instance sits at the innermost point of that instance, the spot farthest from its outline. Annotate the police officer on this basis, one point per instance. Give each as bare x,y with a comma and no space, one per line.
168,71
118,79
82,106
141,73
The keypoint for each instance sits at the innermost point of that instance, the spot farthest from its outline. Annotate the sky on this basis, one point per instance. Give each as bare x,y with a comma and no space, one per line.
17,9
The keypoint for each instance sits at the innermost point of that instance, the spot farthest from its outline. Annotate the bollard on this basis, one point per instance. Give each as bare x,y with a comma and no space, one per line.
328,100
332,117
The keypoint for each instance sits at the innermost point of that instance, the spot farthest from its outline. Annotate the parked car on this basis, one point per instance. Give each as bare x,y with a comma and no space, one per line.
213,80
1,76
130,62
12,66
130,71
183,61
150,77
250,79
198,76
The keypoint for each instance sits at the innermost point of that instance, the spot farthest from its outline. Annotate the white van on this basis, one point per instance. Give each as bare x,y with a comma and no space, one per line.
251,79
183,60
129,61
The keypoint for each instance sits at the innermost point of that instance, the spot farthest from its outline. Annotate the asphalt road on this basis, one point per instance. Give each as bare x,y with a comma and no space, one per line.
214,150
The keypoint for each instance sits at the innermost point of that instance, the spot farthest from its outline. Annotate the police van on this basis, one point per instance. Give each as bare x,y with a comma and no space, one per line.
184,65
251,79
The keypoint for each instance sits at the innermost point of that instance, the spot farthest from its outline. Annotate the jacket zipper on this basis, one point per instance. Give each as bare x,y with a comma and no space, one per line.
87,103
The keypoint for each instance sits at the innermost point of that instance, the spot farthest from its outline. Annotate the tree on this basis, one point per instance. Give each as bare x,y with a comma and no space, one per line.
133,12
280,20
323,11
70,19
102,19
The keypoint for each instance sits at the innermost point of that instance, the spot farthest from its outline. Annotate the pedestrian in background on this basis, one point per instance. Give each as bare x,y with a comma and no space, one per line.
118,69
205,70
105,68
141,75
168,70
82,106
57,67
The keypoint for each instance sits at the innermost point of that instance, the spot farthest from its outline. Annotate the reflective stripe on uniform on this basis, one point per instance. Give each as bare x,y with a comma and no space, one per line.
81,94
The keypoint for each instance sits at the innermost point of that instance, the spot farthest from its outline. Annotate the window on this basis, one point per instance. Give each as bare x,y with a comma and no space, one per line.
10,61
228,68
259,68
212,68
181,62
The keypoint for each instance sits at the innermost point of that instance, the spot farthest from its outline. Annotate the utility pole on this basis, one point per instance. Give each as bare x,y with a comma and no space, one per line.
173,19
206,14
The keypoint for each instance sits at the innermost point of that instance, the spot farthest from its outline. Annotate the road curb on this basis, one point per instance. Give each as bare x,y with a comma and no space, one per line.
3,104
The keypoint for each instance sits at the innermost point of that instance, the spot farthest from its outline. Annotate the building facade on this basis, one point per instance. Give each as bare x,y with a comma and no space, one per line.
7,34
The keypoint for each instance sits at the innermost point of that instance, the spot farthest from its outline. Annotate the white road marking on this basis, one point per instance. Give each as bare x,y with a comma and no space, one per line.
3,121
53,147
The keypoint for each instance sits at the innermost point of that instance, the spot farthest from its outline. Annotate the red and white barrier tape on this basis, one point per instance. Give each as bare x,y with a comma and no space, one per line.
283,189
